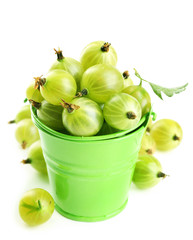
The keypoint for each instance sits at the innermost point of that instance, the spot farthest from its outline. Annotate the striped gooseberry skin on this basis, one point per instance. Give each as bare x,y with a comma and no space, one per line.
56,85
36,206
167,134
51,115
141,95
100,82
98,52
70,65
122,111
148,145
87,120
148,172
23,113
35,158
26,133
33,94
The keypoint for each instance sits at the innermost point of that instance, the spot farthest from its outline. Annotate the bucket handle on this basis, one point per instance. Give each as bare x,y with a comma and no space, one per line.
154,116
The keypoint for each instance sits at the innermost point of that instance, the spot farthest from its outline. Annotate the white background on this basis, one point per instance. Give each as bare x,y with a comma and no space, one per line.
155,37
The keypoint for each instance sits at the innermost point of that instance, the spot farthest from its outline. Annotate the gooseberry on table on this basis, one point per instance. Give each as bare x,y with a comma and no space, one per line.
23,113
148,145
36,206
148,172
98,52
35,157
26,133
167,134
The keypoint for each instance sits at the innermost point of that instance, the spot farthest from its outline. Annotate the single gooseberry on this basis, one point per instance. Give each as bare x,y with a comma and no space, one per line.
82,117
122,111
100,82
141,95
34,93
36,206
35,157
167,134
98,52
49,114
26,133
148,145
22,114
148,172
56,85
70,65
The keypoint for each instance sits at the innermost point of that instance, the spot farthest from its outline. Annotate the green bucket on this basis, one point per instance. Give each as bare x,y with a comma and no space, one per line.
90,176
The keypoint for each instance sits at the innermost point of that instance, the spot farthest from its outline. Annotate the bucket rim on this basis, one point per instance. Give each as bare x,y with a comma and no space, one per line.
57,134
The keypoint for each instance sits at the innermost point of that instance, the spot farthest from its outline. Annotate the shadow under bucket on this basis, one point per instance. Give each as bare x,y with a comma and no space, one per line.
90,176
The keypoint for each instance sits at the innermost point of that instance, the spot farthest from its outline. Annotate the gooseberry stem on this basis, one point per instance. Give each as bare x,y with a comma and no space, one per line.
126,74
84,92
39,82
176,138
59,54
105,47
149,151
69,106
12,121
148,129
23,145
39,204
26,161
35,104
131,115
161,175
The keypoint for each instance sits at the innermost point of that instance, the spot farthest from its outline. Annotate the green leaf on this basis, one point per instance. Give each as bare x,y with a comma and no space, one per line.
159,89
168,91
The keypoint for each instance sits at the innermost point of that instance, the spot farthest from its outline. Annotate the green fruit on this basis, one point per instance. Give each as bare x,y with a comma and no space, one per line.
70,65
50,115
36,206
148,172
34,93
22,114
148,145
106,129
56,85
26,133
122,111
100,82
149,125
83,117
127,80
167,134
141,95
35,157
98,52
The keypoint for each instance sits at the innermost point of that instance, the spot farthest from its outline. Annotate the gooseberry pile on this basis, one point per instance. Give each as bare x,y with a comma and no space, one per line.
86,98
